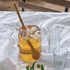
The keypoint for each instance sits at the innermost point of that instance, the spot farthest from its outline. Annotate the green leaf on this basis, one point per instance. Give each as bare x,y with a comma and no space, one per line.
38,65
27,67
42,67
32,68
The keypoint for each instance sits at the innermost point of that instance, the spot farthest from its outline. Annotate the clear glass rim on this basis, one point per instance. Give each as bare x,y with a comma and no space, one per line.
59,48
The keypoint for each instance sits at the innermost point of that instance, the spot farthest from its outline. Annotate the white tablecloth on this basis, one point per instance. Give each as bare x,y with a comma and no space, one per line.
9,21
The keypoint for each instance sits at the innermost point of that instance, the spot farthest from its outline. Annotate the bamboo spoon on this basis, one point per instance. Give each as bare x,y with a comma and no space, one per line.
35,54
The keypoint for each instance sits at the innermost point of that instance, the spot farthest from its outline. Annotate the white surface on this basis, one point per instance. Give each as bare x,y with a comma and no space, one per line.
6,64
10,21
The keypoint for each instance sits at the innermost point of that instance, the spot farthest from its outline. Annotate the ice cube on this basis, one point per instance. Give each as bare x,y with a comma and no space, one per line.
33,29
38,34
25,34
28,30
33,36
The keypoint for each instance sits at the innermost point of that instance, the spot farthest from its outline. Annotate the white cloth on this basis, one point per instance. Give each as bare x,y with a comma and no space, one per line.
10,21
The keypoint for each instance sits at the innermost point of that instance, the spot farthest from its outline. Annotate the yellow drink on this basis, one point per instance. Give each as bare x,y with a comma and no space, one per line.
25,50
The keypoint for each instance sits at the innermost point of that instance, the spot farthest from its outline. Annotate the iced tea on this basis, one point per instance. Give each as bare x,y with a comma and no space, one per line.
33,34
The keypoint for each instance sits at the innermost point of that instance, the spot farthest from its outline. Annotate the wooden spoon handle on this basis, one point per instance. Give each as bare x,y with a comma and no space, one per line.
30,45
19,16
